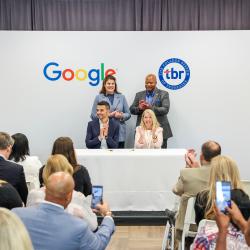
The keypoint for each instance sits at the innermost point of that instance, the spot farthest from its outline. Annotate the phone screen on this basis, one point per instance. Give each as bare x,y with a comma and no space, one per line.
223,195
97,193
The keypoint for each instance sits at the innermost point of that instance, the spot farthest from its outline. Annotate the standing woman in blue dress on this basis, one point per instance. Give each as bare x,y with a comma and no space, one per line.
119,109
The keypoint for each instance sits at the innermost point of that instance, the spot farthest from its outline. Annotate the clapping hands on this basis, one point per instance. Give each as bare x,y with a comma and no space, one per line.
143,105
190,158
104,131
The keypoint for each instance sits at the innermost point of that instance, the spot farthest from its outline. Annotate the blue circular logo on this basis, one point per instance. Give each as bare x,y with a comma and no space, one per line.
174,73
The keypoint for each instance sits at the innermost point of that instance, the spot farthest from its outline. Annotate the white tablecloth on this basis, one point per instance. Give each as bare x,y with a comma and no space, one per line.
137,180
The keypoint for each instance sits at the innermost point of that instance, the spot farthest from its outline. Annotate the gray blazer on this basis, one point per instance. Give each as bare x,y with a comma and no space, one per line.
50,227
160,106
119,104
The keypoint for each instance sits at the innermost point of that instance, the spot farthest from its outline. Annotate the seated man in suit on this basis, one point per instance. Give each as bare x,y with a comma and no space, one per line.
102,132
193,179
50,227
9,171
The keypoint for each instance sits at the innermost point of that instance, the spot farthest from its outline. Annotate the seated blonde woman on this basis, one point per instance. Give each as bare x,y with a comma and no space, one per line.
13,234
223,168
79,206
149,133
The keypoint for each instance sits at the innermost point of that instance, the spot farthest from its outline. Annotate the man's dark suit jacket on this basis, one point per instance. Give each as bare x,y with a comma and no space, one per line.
93,131
160,105
14,174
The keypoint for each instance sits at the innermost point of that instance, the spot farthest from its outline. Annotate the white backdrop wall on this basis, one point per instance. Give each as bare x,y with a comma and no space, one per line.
213,105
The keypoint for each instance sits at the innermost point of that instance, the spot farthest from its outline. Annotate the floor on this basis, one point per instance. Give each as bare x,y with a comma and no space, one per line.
137,238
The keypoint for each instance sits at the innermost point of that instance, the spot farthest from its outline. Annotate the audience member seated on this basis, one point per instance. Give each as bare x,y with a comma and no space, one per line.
193,179
222,234
13,234
222,169
222,221
149,133
79,205
102,132
10,171
21,155
9,197
64,146
50,227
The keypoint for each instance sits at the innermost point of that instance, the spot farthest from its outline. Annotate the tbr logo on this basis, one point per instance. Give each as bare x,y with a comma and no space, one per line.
53,72
174,73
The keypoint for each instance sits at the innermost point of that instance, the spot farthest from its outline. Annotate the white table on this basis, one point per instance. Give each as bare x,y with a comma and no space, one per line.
136,180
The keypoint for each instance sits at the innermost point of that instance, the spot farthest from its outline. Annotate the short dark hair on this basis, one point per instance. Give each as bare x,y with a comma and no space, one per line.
104,103
108,77
210,149
65,146
5,141
20,148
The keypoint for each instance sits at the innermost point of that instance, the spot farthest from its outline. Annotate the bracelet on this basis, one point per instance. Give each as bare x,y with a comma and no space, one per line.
109,213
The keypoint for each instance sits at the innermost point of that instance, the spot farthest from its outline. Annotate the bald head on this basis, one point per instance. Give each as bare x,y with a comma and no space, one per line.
150,82
59,188
210,149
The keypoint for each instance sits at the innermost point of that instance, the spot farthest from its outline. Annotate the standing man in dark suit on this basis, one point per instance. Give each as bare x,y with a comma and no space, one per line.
10,171
155,99
102,132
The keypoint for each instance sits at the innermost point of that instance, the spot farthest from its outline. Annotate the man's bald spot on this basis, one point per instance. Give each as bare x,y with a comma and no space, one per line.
59,185
210,149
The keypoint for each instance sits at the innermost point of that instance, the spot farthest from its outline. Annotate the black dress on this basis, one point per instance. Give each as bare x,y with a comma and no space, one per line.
81,177
9,197
239,197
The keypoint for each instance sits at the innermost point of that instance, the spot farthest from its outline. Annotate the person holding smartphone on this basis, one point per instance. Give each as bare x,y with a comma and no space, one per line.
223,169
222,221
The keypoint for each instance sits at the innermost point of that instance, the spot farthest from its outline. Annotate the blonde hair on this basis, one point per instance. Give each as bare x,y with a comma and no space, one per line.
223,168
155,125
56,163
13,234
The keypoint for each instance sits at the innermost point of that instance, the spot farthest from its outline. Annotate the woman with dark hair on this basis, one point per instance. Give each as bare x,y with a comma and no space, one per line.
64,146
21,155
119,109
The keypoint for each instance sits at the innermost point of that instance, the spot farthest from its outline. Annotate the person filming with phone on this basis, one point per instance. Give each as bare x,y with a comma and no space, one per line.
224,176
50,227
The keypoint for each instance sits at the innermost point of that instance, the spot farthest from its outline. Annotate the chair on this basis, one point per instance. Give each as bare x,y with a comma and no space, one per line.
188,221
168,239
246,186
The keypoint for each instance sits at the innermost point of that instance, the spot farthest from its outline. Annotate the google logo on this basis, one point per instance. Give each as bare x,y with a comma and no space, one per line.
52,72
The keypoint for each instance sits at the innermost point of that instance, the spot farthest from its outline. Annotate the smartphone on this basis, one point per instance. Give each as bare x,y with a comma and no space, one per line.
97,194
223,195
